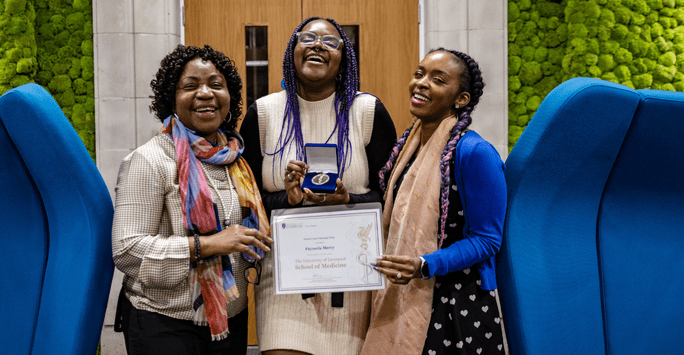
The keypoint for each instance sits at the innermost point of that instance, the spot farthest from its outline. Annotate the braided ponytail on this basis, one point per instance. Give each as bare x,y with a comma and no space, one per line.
471,82
398,146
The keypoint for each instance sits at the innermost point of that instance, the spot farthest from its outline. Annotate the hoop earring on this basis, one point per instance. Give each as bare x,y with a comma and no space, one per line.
230,117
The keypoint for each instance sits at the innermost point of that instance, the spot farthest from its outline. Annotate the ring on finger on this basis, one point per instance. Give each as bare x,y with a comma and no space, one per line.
398,275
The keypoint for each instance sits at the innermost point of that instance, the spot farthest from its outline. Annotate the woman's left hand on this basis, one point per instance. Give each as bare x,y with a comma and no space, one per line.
339,197
400,269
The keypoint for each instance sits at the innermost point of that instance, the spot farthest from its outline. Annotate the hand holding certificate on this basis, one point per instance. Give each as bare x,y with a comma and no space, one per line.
327,249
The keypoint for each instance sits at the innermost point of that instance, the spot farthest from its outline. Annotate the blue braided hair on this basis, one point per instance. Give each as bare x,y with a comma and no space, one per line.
346,90
470,81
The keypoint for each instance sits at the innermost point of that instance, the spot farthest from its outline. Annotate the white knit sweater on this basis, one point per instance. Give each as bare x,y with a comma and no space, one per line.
288,321
318,121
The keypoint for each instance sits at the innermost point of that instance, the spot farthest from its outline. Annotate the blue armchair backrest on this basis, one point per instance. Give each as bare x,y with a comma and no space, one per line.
56,216
548,268
640,232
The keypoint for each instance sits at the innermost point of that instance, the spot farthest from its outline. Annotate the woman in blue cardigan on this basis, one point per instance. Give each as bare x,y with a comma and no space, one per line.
442,230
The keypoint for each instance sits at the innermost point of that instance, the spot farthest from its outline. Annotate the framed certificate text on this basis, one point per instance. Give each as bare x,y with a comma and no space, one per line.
327,248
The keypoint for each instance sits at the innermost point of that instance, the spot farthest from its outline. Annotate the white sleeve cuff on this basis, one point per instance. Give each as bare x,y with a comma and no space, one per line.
424,268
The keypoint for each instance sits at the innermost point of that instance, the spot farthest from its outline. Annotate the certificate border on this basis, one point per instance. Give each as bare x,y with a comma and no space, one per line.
294,214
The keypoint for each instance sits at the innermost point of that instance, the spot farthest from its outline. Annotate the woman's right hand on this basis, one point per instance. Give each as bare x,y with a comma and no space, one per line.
399,269
294,175
235,238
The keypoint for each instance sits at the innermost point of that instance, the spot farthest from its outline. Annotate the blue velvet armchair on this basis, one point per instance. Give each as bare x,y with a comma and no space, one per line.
56,217
591,258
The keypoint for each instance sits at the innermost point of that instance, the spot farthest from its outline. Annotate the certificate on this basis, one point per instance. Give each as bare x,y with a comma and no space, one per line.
327,248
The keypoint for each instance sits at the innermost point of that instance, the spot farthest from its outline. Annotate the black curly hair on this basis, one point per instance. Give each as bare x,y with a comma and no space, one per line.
170,70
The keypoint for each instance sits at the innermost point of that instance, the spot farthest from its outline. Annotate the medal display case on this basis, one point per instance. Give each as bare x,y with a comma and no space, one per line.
321,178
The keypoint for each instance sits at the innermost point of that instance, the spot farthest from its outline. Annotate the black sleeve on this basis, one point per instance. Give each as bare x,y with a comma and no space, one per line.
377,151
252,154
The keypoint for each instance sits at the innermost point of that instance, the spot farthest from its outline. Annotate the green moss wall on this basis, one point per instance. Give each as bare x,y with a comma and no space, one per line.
18,62
637,43
50,42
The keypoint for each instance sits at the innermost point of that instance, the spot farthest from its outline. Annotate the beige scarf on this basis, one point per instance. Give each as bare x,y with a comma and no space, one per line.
400,314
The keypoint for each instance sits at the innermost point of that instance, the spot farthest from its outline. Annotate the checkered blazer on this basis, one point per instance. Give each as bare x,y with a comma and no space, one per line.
149,241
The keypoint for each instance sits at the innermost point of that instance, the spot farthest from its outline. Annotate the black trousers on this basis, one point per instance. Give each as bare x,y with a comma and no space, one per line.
150,333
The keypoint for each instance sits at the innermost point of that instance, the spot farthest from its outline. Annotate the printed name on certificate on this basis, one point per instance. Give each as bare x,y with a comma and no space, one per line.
327,250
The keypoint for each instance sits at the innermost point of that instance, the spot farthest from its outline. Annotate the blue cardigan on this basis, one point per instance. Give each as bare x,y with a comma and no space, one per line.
479,175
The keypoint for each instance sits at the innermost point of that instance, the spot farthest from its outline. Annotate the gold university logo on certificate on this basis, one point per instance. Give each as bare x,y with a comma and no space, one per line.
327,248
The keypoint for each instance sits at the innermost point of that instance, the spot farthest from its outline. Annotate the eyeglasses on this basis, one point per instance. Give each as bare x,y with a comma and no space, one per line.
253,271
253,277
308,38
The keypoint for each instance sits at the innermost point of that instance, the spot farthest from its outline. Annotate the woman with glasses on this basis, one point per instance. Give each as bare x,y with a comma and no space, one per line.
320,104
188,221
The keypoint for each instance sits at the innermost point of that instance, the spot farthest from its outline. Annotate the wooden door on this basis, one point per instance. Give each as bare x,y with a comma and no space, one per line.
387,45
222,23
388,39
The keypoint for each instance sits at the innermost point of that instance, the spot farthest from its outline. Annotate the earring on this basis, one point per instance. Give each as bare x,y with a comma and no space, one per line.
230,116
457,106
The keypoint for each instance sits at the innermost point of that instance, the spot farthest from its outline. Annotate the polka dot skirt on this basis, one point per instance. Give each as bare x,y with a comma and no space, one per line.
465,318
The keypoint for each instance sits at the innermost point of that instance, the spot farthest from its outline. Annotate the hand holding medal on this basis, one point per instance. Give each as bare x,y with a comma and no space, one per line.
338,197
294,174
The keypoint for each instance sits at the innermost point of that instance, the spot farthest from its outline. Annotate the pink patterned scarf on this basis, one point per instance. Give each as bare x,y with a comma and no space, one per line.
211,280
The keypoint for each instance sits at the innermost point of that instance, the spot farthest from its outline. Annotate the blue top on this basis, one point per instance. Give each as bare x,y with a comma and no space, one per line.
478,172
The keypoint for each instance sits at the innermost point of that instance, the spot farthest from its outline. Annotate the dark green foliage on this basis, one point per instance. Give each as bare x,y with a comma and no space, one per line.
636,43
50,42
15,7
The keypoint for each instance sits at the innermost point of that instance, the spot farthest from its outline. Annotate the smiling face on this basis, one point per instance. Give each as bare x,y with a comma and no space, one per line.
202,98
435,87
317,65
